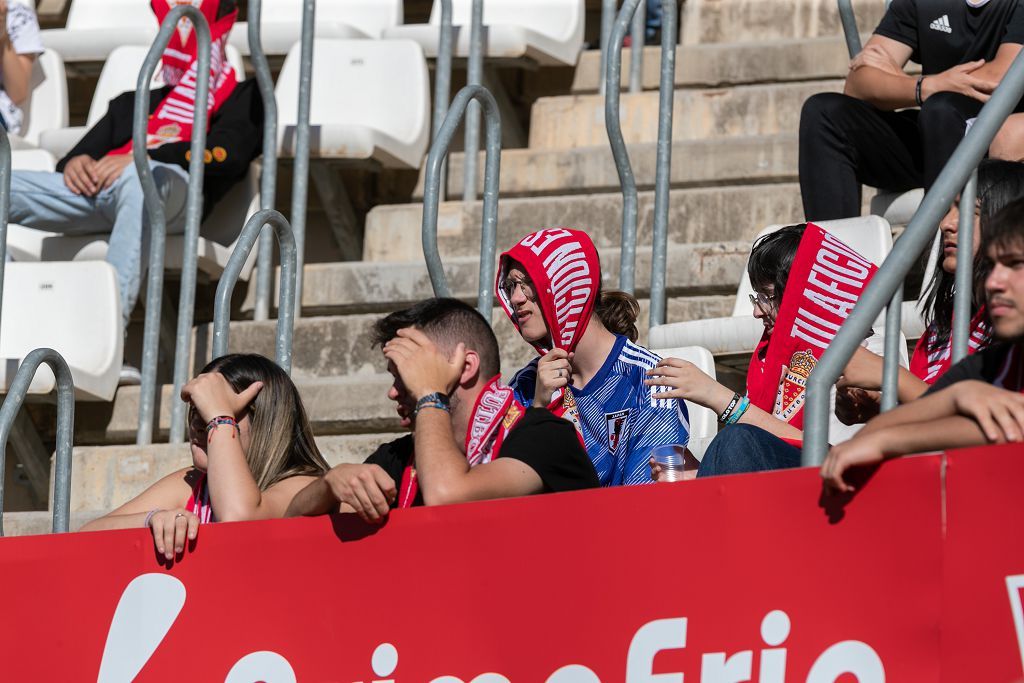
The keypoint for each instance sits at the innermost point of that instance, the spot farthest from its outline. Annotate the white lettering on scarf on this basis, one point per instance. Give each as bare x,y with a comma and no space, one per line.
572,283
835,265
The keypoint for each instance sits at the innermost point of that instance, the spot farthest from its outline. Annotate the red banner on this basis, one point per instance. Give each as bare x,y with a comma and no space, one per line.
754,577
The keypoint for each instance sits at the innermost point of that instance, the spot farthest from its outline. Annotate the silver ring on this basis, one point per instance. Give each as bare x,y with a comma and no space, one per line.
180,514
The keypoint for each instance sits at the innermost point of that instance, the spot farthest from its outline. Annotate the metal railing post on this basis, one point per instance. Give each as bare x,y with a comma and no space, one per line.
607,18
849,22
663,171
286,301
904,255
963,292
474,76
891,352
268,175
443,82
157,221
612,122
432,181
5,209
65,428
636,48
300,171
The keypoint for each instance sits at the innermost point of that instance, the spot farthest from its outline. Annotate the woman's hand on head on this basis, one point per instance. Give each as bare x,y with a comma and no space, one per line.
172,529
554,371
212,396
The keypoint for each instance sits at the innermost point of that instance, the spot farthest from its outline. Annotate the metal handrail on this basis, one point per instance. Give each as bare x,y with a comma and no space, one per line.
850,32
65,428
613,124
158,224
904,255
268,174
5,206
474,76
432,181
637,32
663,171
286,302
443,81
963,291
300,171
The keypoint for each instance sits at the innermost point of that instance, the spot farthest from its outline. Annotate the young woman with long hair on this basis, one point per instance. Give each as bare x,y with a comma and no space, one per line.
252,451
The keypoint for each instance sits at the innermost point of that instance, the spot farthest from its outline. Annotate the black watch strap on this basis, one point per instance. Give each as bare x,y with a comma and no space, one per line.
433,400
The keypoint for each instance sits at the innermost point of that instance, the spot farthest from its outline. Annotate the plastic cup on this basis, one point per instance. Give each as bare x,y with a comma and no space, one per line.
671,459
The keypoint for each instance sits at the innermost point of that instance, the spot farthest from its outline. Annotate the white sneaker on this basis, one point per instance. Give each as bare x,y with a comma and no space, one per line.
130,376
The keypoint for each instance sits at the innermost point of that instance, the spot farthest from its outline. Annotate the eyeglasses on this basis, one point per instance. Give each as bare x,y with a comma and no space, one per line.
509,286
764,302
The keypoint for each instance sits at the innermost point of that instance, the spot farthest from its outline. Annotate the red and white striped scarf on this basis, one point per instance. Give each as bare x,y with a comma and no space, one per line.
199,502
172,120
565,270
931,359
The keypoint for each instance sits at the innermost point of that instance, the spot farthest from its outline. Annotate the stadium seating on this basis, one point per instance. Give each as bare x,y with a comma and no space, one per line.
95,28
370,101
738,334
547,32
703,421
82,321
281,22
47,106
120,73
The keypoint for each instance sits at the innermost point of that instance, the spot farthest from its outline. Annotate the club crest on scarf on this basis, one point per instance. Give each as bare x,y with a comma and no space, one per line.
824,283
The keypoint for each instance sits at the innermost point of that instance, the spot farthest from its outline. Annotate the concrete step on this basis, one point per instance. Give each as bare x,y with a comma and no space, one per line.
590,170
725,64
705,214
39,522
105,477
762,21
572,121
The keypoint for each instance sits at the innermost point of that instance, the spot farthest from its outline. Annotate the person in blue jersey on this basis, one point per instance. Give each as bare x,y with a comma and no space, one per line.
590,370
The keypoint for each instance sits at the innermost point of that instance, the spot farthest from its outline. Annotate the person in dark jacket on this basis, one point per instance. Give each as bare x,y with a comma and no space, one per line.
96,188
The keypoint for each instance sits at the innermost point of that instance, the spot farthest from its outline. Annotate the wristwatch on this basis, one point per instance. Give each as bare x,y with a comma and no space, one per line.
433,400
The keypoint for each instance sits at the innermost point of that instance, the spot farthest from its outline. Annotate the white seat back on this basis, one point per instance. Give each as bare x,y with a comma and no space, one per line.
369,16
47,105
73,308
121,71
560,20
703,421
870,236
110,15
378,85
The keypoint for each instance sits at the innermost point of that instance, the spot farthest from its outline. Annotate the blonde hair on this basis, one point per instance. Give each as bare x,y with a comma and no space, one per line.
281,441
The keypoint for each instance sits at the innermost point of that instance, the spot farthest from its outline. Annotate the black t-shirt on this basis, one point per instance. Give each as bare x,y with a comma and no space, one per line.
944,33
545,443
985,365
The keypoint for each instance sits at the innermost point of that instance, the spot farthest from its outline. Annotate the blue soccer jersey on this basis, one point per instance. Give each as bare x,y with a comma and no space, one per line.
622,419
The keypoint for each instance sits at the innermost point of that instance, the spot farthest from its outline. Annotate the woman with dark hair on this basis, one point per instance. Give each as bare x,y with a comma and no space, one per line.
252,451
589,370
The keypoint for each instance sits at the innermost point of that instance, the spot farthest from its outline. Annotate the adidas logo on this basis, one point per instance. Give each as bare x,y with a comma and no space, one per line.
941,24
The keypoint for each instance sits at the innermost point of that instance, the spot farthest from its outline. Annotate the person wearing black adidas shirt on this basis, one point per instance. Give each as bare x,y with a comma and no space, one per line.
858,137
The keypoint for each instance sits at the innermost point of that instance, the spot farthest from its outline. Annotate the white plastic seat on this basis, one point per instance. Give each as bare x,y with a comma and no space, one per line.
547,32
119,75
73,308
703,421
281,23
370,100
871,236
47,105
94,28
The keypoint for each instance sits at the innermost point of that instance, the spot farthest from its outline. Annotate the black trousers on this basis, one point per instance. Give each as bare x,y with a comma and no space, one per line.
846,142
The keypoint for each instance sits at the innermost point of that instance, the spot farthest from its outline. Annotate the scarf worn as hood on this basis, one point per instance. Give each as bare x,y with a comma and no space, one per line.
172,120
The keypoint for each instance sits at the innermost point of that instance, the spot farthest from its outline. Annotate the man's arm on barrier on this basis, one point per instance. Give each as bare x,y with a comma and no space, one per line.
365,489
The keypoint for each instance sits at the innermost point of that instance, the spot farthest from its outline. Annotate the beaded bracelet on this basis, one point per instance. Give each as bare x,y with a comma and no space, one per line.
221,420
149,517
728,410
738,413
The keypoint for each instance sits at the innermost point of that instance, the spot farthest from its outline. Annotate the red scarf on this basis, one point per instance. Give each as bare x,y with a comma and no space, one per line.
172,120
931,360
566,273
825,282
495,413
